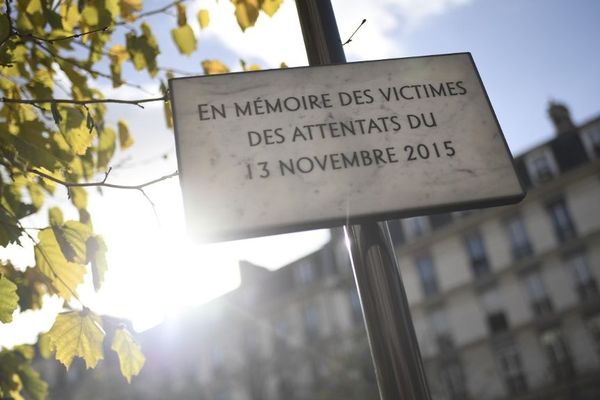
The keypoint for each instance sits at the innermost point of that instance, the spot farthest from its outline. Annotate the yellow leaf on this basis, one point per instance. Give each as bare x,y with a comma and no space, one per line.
55,216
65,276
185,39
246,12
72,238
8,299
125,139
181,18
70,15
44,345
36,195
90,16
254,67
78,197
129,8
203,18
77,333
283,65
80,139
118,54
96,254
131,359
168,114
269,7
212,67
33,7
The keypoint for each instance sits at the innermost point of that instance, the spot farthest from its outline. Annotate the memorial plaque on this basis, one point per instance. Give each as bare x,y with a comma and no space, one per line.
284,150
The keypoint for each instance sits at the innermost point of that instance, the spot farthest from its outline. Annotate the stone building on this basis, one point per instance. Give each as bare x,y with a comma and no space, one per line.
505,300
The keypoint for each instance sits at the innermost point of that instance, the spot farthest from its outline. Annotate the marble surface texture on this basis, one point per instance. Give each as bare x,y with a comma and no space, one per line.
283,150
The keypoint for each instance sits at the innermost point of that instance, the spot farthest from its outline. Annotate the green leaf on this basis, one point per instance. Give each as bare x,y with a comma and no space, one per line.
125,139
55,113
33,384
106,147
9,228
96,254
185,39
89,122
3,27
203,18
131,359
143,50
64,275
8,299
36,155
77,334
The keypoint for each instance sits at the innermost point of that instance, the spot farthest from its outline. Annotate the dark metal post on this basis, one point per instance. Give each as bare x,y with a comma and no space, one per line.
394,347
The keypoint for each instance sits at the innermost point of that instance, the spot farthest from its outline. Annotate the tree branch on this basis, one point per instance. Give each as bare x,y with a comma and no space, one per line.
43,39
354,33
103,182
152,12
137,102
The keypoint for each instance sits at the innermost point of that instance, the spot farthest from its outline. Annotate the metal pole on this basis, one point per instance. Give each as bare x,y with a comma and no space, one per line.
394,348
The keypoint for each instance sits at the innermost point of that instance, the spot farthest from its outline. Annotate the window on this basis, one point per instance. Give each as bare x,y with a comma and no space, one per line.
250,343
281,331
519,240
558,354
591,140
217,360
541,168
304,272
537,294
396,232
477,255
342,258
355,306
441,330
416,226
440,220
585,283
561,220
512,369
311,321
593,325
454,378
427,275
496,317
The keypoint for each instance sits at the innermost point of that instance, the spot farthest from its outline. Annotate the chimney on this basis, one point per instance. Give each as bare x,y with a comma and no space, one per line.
561,118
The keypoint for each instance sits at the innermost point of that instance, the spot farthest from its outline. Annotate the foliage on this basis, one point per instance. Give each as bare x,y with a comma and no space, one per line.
53,133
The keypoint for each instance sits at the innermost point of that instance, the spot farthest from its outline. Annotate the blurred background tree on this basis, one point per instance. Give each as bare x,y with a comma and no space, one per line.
53,134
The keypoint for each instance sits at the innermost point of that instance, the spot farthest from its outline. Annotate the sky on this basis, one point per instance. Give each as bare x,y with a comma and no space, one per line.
528,52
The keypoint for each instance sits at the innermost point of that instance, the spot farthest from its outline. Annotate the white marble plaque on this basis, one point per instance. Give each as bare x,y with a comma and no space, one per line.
285,150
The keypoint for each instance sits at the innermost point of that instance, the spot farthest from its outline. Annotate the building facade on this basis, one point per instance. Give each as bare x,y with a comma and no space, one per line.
505,304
